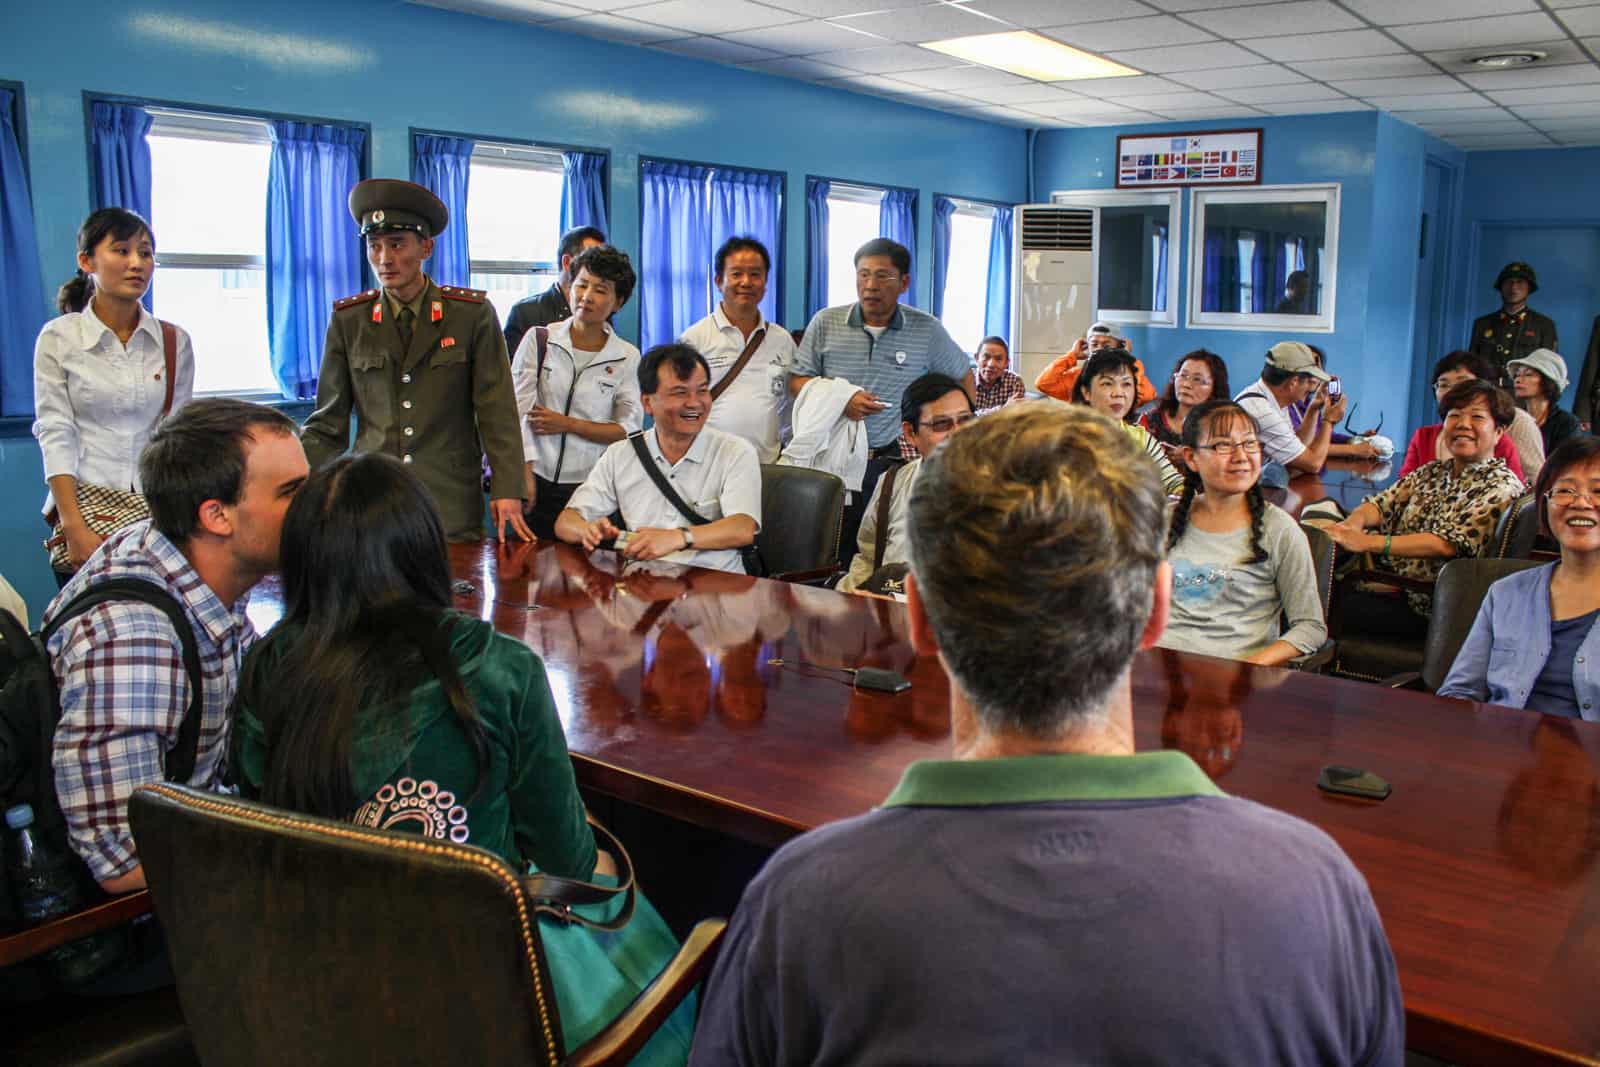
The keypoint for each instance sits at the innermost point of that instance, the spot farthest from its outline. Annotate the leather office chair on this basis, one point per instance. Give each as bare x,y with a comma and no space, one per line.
1457,596
1323,554
1379,658
311,941
802,511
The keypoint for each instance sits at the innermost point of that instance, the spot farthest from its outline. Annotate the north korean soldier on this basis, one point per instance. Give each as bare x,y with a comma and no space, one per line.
424,366
1516,329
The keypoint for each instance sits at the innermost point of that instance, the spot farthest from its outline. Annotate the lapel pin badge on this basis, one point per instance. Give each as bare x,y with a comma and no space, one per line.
438,310
377,311
448,342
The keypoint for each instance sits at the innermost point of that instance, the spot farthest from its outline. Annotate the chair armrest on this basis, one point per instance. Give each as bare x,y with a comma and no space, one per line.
1313,662
806,577
1403,680
1399,581
627,1033
57,932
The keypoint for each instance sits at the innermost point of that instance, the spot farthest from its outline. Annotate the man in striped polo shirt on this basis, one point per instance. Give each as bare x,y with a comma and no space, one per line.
881,347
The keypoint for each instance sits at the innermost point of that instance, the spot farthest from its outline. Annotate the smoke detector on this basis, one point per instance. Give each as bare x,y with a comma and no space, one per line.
1501,60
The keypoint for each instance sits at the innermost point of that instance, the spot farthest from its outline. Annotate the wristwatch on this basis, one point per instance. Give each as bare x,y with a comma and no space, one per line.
688,537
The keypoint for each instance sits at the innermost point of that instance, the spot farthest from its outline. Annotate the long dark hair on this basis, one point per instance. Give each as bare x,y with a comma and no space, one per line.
117,223
1219,379
366,593
1206,419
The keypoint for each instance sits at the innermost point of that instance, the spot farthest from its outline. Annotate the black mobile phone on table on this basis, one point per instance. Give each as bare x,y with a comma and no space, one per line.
1353,782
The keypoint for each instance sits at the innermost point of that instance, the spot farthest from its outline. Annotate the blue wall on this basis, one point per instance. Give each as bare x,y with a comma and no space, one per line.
1378,163
397,66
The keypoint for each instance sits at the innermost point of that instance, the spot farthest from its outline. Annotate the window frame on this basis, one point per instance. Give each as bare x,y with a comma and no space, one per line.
857,191
19,122
1326,193
971,206
1103,198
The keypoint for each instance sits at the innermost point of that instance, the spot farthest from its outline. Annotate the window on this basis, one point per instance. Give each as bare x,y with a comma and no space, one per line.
513,221
966,282
852,222
1264,257
1135,234
208,200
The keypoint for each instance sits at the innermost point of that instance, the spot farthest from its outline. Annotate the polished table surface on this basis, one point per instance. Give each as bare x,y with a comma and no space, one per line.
1482,861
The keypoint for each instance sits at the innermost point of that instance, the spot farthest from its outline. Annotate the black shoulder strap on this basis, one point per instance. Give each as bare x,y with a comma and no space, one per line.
1254,393
650,468
181,760
885,491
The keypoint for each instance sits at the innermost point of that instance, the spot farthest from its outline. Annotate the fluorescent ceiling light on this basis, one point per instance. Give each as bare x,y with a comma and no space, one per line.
1031,56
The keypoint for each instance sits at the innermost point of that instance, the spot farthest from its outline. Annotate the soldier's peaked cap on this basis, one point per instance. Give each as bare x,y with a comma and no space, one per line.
381,205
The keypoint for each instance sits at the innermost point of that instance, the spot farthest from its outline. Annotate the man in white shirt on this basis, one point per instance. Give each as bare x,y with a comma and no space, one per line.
932,408
715,473
1291,374
749,398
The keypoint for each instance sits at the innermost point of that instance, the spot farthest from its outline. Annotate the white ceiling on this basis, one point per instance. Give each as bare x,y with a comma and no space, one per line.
1202,59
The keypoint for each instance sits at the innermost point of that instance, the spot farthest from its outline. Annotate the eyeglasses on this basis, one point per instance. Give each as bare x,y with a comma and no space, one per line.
1566,498
946,423
1228,448
1191,379
882,277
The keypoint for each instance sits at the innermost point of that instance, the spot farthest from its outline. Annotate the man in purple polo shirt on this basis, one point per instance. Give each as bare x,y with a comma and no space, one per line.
1048,895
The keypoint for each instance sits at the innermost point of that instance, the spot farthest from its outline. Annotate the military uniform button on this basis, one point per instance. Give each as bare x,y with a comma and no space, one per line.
405,379
406,404
406,458
409,431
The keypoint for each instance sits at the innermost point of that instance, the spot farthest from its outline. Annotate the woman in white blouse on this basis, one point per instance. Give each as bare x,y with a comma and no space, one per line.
99,371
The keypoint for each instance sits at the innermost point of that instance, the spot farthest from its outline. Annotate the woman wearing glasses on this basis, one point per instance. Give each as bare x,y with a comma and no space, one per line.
1200,376
1536,641
1239,564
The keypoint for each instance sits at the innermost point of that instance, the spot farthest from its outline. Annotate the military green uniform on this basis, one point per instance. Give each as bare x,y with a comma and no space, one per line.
439,403
1500,337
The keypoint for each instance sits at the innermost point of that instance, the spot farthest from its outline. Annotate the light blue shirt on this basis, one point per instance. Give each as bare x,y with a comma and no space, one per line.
1510,642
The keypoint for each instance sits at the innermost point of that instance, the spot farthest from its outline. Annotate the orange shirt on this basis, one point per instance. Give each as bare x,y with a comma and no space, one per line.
1059,377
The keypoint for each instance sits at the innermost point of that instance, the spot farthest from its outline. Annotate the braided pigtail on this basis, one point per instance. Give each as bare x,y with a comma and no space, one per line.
1180,513
1258,515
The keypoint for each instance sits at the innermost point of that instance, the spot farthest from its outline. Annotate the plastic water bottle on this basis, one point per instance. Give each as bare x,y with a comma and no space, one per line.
44,883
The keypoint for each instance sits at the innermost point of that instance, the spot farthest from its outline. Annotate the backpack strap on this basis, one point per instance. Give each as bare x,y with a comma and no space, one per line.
169,348
181,760
541,347
650,468
885,491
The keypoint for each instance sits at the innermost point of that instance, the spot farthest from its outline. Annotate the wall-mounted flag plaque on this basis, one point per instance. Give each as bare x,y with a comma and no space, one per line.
1216,157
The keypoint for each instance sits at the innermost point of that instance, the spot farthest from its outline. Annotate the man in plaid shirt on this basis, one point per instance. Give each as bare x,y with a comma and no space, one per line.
997,385
218,476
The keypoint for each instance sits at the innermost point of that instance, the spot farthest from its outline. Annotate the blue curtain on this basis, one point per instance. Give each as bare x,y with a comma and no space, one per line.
816,246
121,159
22,312
897,220
997,315
1218,293
583,191
1159,297
943,209
750,204
443,166
674,250
1262,295
313,253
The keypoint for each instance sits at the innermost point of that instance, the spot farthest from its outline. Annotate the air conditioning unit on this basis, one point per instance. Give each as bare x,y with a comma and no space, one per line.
1053,302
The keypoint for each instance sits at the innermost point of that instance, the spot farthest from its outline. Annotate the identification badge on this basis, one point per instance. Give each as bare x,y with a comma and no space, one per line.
900,359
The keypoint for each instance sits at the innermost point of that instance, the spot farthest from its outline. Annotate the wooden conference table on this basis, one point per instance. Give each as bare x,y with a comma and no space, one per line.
1482,861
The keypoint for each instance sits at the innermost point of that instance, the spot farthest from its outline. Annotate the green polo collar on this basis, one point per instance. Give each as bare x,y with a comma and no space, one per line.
1058,776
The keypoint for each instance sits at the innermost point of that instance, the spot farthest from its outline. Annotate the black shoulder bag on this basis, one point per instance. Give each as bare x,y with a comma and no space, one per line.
749,555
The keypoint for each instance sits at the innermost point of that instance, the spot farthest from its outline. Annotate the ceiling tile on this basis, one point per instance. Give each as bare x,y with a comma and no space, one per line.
1266,20
533,11
1502,140
1314,107
1573,140
972,77
1471,129
1400,66
1549,94
797,67
1435,83
1012,115
1553,111
1129,118
868,83
1459,60
1390,13
1534,77
935,22
1151,32
1267,94
1479,33
1582,20
1197,5
1425,102
1019,95
889,59
1352,43
1185,57
714,48
820,9
1575,123
803,38
1239,77
710,16
616,28
1033,13
1592,44
1166,101
1075,108
1457,116
1116,88
1232,111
